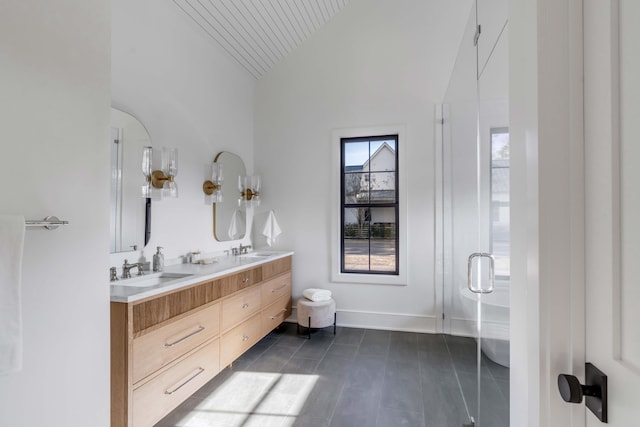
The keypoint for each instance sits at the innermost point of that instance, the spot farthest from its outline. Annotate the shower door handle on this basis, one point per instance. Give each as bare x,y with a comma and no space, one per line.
492,275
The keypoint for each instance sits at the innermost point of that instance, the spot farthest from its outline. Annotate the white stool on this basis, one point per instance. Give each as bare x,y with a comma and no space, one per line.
316,314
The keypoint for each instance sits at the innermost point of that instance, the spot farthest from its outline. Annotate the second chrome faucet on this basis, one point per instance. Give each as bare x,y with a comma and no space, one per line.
126,269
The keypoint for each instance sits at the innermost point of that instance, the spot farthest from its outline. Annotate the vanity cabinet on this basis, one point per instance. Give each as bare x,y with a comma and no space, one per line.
158,348
276,302
240,339
240,307
165,347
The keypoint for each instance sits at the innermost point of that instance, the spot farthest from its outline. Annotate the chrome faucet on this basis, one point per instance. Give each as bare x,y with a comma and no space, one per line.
241,250
126,267
113,274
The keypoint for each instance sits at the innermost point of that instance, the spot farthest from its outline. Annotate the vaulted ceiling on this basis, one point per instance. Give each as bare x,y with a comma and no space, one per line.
260,33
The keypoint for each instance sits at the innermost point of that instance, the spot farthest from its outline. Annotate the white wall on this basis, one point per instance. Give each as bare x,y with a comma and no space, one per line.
54,81
189,94
547,216
376,63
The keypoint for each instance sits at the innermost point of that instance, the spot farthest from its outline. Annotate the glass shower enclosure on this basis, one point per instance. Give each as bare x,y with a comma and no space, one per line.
475,215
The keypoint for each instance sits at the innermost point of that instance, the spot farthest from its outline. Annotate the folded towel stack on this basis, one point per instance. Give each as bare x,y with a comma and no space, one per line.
317,294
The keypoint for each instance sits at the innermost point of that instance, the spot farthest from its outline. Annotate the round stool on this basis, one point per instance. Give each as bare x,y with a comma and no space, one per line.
316,314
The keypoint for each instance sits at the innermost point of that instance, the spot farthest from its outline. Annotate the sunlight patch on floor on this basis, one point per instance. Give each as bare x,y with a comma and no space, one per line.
253,399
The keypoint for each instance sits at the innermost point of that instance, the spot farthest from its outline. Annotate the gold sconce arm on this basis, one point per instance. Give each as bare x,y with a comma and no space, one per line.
249,194
209,187
158,178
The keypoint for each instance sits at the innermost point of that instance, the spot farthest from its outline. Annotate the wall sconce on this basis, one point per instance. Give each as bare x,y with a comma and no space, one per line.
162,178
249,187
213,188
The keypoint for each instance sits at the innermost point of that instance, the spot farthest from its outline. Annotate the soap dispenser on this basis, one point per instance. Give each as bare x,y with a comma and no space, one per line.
158,260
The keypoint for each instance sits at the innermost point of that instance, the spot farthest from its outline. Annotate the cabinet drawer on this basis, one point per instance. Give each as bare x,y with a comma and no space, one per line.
275,288
156,398
240,307
239,339
276,267
156,349
275,314
239,281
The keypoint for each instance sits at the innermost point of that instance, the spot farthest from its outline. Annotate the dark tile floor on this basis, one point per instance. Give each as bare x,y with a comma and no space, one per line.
359,377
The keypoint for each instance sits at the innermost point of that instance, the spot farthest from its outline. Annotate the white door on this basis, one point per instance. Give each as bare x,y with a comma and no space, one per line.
612,173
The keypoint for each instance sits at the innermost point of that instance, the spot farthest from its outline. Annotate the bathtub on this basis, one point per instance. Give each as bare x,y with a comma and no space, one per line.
495,321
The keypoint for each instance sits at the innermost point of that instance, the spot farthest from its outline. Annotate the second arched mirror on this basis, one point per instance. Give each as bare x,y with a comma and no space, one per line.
229,222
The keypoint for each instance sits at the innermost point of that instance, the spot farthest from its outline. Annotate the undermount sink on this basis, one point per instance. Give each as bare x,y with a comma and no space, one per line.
257,254
149,280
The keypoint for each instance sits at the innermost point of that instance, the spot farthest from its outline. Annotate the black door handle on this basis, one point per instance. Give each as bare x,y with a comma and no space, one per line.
594,390
572,391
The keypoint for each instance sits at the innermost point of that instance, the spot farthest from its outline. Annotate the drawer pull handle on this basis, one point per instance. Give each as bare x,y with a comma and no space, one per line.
277,289
245,305
284,310
245,279
197,331
185,382
245,338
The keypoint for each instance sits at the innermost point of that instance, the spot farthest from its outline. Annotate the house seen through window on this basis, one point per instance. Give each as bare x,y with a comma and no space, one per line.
369,206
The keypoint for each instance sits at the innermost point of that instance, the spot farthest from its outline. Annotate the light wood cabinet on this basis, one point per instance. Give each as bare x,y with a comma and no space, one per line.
240,307
240,339
158,348
274,314
160,395
275,288
165,347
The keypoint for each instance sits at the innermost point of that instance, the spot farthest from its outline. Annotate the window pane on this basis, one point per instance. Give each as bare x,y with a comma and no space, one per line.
500,220
356,223
370,240
356,188
500,236
383,239
352,187
356,239
382,187
500,146
375,145
356,155
383,156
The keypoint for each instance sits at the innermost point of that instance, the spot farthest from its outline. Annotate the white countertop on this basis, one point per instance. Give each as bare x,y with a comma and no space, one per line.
196,273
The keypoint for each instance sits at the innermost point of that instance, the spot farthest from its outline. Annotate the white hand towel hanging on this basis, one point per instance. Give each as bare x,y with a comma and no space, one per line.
271,228
233,227
11,247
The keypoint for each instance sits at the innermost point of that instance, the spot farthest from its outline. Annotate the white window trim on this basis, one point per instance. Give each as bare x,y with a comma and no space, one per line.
372,279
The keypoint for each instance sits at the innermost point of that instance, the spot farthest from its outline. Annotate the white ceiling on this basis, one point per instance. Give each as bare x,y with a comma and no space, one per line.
259,33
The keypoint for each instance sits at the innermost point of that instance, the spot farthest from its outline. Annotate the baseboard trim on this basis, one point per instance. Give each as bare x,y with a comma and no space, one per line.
380,320
467,328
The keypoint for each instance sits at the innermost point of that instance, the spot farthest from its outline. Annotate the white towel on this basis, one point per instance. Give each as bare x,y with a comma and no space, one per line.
11,246
317,294
271,228
234,226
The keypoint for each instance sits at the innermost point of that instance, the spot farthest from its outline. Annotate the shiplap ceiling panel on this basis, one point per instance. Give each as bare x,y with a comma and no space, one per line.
260,33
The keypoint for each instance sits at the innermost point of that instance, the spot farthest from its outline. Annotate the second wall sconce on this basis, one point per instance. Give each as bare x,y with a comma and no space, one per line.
213,188
249,187
160,179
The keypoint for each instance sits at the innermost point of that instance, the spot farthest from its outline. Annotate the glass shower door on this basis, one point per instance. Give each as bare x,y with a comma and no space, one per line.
475,218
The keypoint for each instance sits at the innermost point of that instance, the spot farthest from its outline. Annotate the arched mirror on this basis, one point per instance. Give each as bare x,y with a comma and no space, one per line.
229,222
130,214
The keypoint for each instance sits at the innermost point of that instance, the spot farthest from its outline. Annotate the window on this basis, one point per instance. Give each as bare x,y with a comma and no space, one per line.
500,238
369,211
